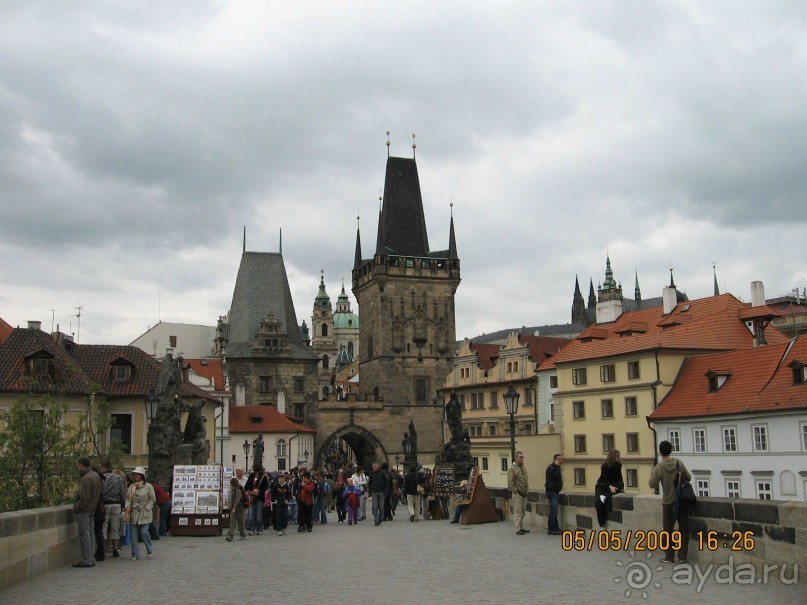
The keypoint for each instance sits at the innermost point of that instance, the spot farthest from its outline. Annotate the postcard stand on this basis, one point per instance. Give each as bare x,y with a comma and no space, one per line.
197,498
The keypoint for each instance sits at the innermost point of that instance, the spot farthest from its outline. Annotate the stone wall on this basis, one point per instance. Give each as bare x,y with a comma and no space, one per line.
779,527
35,541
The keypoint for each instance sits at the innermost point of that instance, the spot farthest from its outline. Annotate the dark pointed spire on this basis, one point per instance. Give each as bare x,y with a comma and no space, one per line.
244,244
592,297
714,272
609,283
672,281
402,224
578,305
452,240
357,257
280,244
637,292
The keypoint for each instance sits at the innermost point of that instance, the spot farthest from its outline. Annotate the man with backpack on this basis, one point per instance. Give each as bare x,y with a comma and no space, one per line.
669,473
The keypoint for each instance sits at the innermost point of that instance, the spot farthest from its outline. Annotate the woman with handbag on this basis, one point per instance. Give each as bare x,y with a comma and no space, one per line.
140,500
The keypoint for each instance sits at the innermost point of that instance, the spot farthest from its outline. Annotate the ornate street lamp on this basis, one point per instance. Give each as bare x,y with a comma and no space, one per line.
397,460
511,405
246,455
409,453
152,404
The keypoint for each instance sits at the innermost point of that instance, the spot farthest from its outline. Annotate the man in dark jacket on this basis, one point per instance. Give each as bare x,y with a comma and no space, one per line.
87,498
553,486
378,485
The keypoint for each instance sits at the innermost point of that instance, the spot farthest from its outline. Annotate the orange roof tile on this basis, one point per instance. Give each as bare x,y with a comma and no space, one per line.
706,324
759,379
263,419
5,329
210,368
486,354
542,347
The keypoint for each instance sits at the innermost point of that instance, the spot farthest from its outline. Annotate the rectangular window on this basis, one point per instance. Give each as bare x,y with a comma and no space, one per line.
474,403
804,437
553,382
578,410
608,373
475,460
484,464
729,439
526,428
632,442
281,464
299,411
760,433
266,384
121,431
504,465
509,366
702,488
462,401
552,414
491,429
633,370
674,437
764,490
607,442
733,488
420,390
528,396
631,477
39,366
631,406
699,440
122,372
494,400
299,385
579,444
579,376
607,407
579,476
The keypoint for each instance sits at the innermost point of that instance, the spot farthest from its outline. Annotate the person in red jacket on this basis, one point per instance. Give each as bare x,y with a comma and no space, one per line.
164,505
305,503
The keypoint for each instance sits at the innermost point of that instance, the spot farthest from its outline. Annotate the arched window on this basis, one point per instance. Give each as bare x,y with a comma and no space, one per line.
326,362
324,329
281,447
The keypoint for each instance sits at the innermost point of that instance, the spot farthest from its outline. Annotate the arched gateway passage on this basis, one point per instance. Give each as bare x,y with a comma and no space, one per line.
353,443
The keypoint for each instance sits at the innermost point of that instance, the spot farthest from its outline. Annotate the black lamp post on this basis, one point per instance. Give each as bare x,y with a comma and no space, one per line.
410,457
246,455
302,461
397,460
511,405
152,404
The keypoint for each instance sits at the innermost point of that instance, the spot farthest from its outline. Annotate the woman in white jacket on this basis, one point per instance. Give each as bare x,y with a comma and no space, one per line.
140,501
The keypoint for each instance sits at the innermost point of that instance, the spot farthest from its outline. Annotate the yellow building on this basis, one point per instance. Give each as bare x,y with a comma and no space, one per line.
110,379
614,374
482,374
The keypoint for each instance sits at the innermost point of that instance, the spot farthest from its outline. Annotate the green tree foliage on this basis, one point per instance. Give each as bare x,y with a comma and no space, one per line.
38,452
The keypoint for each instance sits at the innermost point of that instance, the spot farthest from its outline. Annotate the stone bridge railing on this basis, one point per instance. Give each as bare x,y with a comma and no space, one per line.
779,527
35,541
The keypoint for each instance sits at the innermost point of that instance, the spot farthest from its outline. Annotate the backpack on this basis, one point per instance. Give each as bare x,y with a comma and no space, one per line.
246,497
353,499
326,487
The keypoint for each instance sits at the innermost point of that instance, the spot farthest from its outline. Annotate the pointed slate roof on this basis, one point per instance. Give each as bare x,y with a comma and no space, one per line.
261,288
402,224
759,380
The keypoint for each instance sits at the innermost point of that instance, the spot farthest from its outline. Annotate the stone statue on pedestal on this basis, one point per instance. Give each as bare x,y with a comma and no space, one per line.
164,437
257,451
457,451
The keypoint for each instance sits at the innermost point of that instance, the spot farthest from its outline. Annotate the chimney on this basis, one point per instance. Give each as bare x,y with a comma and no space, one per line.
757,294
669,297
34,325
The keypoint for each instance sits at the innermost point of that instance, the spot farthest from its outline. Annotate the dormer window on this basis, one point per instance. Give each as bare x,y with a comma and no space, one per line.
121,372
39,366
717,378
799,372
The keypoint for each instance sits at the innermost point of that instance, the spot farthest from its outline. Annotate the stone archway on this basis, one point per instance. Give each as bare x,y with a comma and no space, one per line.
365,446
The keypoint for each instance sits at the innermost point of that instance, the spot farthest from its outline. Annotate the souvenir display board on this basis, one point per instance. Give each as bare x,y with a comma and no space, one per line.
479,508
473,478
197,497
443,480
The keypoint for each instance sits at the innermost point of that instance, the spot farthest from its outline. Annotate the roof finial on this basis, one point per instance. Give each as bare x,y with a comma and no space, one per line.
281,241
358,223
451,206
414,147
380,199
244,244
388,143
714,272
672,281
322,276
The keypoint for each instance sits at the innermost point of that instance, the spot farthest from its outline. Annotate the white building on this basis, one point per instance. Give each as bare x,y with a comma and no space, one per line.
739,422
186,340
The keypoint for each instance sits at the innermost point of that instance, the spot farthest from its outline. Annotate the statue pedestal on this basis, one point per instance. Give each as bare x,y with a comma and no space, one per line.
184,454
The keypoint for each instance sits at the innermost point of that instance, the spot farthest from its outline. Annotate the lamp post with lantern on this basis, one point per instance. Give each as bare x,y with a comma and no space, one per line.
511,398
152,404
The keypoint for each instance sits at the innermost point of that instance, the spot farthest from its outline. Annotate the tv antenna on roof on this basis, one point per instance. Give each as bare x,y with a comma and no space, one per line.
80,308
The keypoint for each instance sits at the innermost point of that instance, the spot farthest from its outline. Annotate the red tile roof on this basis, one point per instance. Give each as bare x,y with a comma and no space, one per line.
80,369
707,324
759,380
486,354
210,368
542,347
263,419
5,329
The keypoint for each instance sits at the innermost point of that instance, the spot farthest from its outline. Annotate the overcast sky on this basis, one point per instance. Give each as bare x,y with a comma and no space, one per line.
138,138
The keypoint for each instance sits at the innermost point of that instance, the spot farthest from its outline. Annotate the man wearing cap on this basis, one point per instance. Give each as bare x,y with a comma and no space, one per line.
87,498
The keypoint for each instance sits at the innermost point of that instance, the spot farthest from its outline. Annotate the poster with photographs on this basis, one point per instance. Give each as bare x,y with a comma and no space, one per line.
207,499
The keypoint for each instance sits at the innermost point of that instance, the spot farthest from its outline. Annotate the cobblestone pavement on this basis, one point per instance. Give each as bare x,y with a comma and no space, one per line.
398,562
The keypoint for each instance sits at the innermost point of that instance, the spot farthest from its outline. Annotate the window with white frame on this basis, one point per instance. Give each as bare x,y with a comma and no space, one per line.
607,442
281,448
608,373
579,376
804,437
631,406
702,488
553,382
729,438
733,488
764,490
699,440
633,370
607,408
632,441
504,465
580,476
632,477
579,444
674,437
484,464
578,410
760,435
